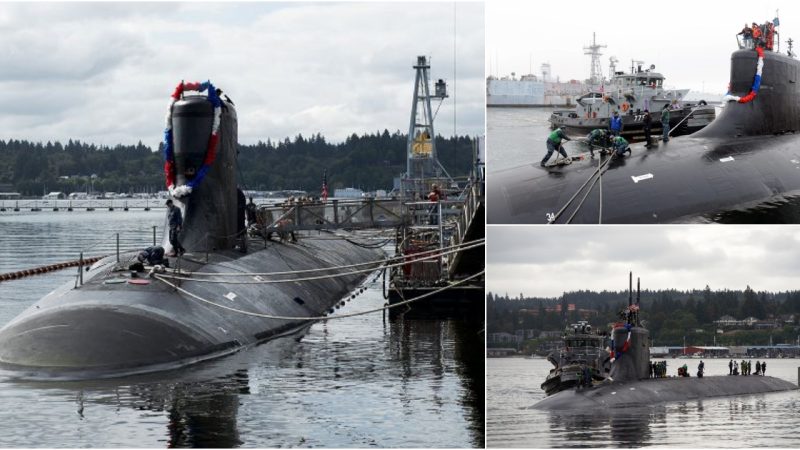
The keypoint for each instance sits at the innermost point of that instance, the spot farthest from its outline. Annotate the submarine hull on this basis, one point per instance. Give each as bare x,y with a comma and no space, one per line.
651,391
104,330
675,182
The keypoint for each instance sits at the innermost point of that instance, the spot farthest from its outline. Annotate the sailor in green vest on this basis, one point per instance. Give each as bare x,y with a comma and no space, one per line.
597,138
621,146
554,144
665,122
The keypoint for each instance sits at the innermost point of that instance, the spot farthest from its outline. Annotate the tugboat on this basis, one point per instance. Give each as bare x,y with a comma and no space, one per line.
583,359
630,95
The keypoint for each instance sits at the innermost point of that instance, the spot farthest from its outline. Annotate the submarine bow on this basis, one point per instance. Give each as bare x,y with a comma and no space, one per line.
113,325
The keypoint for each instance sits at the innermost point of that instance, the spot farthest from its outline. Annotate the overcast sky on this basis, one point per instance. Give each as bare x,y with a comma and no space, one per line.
549,260
103,72
689,41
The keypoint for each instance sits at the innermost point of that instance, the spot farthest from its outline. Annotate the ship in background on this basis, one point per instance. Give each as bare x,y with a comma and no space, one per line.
533,90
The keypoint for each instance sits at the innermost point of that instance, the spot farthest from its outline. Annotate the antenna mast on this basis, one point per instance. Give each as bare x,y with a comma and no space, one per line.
595,72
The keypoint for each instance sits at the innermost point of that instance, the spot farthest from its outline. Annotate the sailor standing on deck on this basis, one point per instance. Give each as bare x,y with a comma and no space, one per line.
648,123
615,125
175,223
665,122
730,367
554,144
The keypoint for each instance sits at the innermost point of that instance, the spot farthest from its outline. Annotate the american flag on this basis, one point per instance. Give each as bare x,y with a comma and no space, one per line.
325,185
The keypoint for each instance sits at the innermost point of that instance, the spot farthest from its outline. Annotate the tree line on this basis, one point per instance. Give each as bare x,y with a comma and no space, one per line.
669,315
369,161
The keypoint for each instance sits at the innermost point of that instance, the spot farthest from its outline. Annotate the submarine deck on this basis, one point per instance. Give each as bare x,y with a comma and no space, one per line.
673,182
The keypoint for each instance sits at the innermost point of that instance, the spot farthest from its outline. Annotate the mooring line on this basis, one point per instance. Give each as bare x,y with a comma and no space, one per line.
340,316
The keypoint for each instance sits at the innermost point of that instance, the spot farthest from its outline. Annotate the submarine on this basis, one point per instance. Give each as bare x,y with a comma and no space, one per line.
629,385
748,156
113,322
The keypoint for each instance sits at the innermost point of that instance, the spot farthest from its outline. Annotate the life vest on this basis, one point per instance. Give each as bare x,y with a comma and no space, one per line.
625,106
555,137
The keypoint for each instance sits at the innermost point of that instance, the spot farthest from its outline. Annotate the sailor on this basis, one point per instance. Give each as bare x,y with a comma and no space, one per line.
730,367
648,123
251,213
758,367
615,125
153,255
700,369
763,368
744,367
175,223
434,196
735,368
665,122
747,36
554,144
652,369
621,146
757,35
599,138
241,230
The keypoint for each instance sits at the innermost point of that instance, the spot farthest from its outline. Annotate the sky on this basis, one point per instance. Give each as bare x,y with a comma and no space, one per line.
103,72
689,42
545,261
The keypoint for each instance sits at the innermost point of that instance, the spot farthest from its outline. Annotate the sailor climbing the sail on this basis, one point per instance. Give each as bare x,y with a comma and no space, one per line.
554,144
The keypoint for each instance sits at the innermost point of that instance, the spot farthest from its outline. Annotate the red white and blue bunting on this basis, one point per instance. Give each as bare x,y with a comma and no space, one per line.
756,82
213,141
617,352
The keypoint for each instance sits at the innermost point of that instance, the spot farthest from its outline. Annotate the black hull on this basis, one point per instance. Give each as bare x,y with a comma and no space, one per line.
109,330
660,390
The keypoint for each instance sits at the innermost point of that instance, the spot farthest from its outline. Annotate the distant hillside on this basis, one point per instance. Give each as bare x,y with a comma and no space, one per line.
669,314
369,162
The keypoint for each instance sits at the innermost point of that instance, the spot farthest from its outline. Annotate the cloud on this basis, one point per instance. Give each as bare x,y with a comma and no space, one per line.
690,42
103,72
546,261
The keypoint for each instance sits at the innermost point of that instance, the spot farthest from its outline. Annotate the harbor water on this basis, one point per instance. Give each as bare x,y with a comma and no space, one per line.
752,421
355,382
517,136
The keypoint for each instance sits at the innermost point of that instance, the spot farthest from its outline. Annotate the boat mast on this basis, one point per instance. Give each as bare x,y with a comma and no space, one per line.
595,71
421,160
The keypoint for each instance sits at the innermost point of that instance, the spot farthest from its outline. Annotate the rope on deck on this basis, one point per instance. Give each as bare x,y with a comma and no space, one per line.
412,257
322,277
324,317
